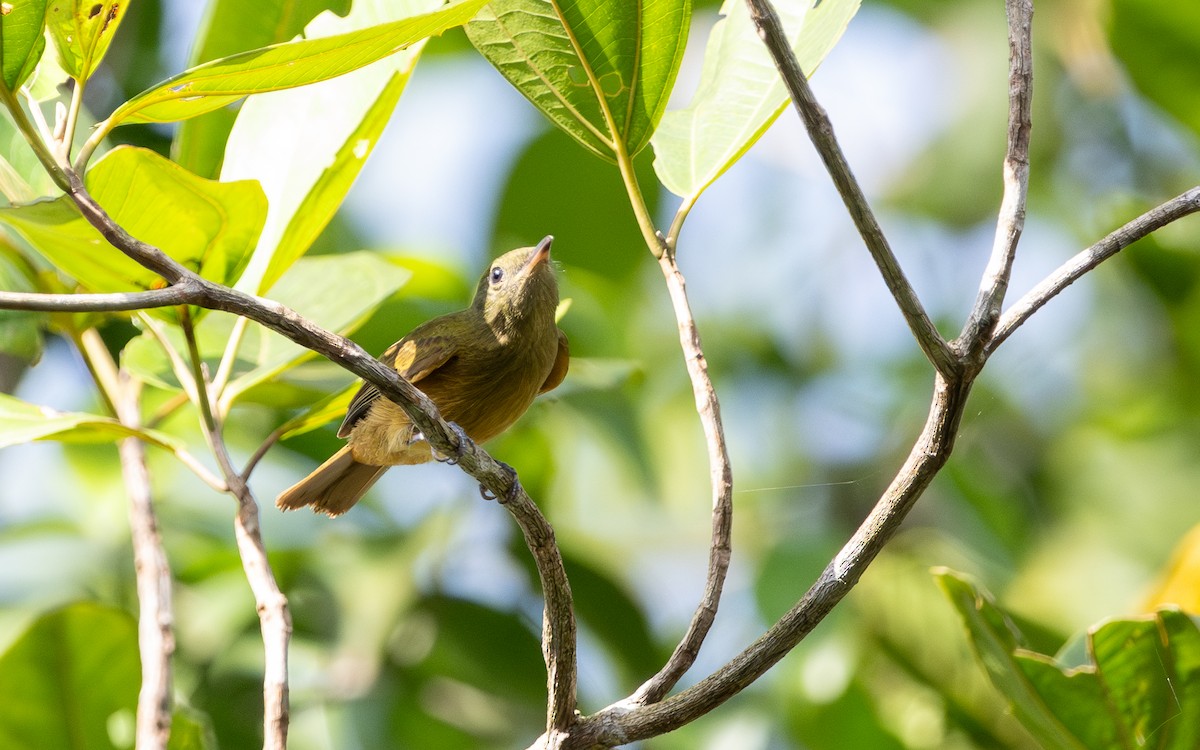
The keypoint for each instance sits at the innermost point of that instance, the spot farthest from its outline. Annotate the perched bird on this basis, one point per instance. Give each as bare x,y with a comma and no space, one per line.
482,366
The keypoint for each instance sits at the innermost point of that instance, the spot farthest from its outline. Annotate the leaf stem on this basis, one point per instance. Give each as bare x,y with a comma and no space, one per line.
34,139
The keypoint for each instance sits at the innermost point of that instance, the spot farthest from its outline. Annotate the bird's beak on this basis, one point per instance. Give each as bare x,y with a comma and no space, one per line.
540,255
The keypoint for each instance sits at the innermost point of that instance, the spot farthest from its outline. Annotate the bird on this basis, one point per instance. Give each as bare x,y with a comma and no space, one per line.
482,366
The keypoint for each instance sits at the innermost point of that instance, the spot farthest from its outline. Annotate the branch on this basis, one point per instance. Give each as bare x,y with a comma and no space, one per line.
820,130
994,283
721,475
180,294
619,725
156,638
1066,274
274,619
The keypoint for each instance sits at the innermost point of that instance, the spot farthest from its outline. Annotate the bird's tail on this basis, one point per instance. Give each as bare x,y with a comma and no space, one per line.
333,487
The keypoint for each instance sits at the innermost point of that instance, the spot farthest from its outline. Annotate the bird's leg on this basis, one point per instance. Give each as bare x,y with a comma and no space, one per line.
512,491
459,451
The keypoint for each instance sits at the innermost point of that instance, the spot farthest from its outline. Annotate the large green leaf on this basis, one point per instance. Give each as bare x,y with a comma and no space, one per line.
337,292
82,31
306,146
740,92
199,142
208,226
1138,687
21,40
601,71
23,422
66,676
213,85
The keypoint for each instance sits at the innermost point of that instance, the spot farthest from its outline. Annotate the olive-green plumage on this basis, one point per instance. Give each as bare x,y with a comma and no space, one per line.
482,366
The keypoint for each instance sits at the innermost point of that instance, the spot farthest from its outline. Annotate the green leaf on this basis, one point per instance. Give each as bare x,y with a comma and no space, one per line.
1152,39
23,422
996,640
82,31
306,146
190,730
208,226
227,29
319,414
21,40
601,71
337,292
63,679
740,92
1139,687
213,85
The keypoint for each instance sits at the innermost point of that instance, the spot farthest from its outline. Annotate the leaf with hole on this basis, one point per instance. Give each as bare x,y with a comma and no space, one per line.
82,31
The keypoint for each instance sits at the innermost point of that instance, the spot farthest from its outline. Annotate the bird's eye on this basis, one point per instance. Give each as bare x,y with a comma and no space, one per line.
497,274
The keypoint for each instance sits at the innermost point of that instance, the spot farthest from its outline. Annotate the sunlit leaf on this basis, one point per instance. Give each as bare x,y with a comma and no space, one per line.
220,82
23,422
319,414
740,92
207,226
1140,684
199,142
65,676
21,40
82,31
307,146
601,71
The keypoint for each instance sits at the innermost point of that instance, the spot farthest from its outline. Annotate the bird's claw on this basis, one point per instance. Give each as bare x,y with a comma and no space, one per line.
459,451
509,496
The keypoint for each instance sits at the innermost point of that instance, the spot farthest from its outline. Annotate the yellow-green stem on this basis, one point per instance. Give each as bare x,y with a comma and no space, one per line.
40,149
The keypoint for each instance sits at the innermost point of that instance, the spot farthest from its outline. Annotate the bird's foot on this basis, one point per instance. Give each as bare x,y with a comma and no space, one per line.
459,451
509,496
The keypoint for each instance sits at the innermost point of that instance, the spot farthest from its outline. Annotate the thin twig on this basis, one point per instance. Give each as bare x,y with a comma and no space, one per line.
1066,274
994,284
820,130
721,476
156,637
273,438
275,621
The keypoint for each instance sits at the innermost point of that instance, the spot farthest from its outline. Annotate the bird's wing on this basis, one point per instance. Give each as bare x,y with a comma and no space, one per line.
414,358
562,362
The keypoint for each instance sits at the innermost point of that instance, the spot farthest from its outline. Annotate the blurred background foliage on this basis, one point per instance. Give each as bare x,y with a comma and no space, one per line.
416,616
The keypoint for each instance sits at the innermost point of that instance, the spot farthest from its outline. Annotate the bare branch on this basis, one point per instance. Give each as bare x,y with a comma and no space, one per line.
1066,274
156,637
275,621
721,475
1011,222
620,724
820,130
179,294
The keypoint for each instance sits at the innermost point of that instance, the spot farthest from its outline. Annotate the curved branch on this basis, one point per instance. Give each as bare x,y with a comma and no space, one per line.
1066,274
1011,222
820,131
619,725
721,475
